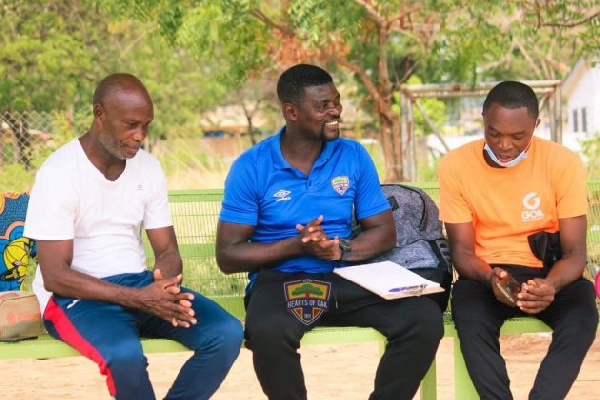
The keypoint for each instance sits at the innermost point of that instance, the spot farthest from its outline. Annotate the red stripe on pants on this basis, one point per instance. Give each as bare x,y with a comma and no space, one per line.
69,334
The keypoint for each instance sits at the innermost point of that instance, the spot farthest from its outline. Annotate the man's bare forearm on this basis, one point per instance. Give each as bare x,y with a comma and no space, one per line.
82,286
472,267
566,271
169,263
369,244
249,256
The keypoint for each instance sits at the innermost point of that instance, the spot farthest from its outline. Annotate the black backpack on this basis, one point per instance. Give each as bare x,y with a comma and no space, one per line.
420,244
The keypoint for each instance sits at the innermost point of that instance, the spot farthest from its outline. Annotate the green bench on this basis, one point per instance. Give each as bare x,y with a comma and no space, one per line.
195,215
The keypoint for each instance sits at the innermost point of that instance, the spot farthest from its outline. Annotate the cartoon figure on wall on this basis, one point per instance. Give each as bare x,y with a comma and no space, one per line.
15,249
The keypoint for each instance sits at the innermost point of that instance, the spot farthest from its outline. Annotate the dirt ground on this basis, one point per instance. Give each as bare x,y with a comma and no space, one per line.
332,372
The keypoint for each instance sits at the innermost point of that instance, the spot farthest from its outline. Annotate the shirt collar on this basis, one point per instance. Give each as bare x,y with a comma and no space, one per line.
278,161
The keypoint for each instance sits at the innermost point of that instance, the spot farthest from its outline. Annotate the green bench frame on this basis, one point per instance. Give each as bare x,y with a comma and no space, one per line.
195,215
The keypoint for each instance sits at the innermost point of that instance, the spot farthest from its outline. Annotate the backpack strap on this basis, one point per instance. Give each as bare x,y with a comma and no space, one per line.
441,248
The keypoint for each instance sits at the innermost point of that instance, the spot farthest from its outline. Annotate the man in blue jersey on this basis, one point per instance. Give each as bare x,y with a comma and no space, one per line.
286,219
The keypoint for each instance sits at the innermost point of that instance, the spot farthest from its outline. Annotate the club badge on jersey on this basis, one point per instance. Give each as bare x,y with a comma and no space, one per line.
340,184
307,299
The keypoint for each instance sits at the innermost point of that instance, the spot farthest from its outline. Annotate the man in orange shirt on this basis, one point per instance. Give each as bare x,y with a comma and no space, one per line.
500,198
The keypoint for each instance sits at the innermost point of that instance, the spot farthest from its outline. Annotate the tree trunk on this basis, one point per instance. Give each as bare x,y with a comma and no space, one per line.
388,120
251,129
392,149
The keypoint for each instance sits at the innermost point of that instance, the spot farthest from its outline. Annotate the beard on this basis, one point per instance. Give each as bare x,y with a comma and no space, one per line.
324,136
112,147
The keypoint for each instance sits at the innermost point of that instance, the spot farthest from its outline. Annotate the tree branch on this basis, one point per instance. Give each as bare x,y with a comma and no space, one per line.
532,63
369,85
562,67
408,73
256,13
572,24
372,12
401,15
538,13
504,60
134,42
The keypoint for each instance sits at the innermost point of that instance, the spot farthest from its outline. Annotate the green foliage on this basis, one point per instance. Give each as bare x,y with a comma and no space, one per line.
434,108
15,178
220,35
67,127
427,170
509,40
591,150
181,89
54,52
191,53
45,62
382,42
566,21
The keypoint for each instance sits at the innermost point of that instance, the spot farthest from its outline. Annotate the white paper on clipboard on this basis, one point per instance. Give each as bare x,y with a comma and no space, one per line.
389,280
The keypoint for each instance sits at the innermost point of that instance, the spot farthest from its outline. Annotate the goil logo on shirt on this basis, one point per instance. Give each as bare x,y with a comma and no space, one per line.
532,212
283,195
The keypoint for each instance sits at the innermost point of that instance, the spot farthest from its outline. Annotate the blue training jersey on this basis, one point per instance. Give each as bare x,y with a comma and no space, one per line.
264,191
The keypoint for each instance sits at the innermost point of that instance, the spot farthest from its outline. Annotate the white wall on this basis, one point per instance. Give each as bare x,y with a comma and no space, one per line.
585,94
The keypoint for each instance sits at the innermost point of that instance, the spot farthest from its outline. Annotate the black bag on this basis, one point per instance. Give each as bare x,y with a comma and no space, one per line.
420,244
546,247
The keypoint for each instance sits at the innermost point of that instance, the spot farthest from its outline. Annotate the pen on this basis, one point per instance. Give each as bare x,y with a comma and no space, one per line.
406,288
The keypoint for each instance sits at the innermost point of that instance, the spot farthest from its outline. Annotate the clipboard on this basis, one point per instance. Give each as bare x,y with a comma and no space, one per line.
388,280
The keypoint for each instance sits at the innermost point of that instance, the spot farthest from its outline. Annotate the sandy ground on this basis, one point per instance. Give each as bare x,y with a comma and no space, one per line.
332,372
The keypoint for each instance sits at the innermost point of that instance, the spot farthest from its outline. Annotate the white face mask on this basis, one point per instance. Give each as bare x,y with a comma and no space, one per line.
506,164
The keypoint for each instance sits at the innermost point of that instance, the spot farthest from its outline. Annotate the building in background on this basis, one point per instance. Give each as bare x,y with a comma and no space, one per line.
581,94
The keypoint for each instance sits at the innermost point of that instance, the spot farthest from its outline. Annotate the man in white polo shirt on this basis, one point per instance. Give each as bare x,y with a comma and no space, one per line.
91,199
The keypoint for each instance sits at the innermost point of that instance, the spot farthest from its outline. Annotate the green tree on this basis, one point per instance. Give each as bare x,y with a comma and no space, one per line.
525,40
249,38
181,87
435,111
45,60
381,42
53,53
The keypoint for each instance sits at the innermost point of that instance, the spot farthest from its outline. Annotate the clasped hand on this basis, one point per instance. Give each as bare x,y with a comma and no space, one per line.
164,299
534,296
313,240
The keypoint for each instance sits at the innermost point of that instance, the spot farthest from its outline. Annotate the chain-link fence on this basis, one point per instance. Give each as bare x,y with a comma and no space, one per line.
190,160
26,139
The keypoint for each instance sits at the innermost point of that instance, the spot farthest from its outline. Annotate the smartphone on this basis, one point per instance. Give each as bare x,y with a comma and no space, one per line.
509,287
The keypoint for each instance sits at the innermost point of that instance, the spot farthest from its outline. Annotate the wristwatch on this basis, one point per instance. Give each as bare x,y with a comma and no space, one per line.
345,247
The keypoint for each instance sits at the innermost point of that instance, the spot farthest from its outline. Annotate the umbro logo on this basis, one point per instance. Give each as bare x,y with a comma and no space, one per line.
283,195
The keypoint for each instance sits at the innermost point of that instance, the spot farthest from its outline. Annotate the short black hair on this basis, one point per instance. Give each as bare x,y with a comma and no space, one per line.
121,81
291,84
513,94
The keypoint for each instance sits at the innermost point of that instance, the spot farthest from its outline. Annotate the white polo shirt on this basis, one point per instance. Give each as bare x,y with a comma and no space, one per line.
72,200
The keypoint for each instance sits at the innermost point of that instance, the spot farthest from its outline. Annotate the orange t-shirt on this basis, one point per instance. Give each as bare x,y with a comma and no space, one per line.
508,204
